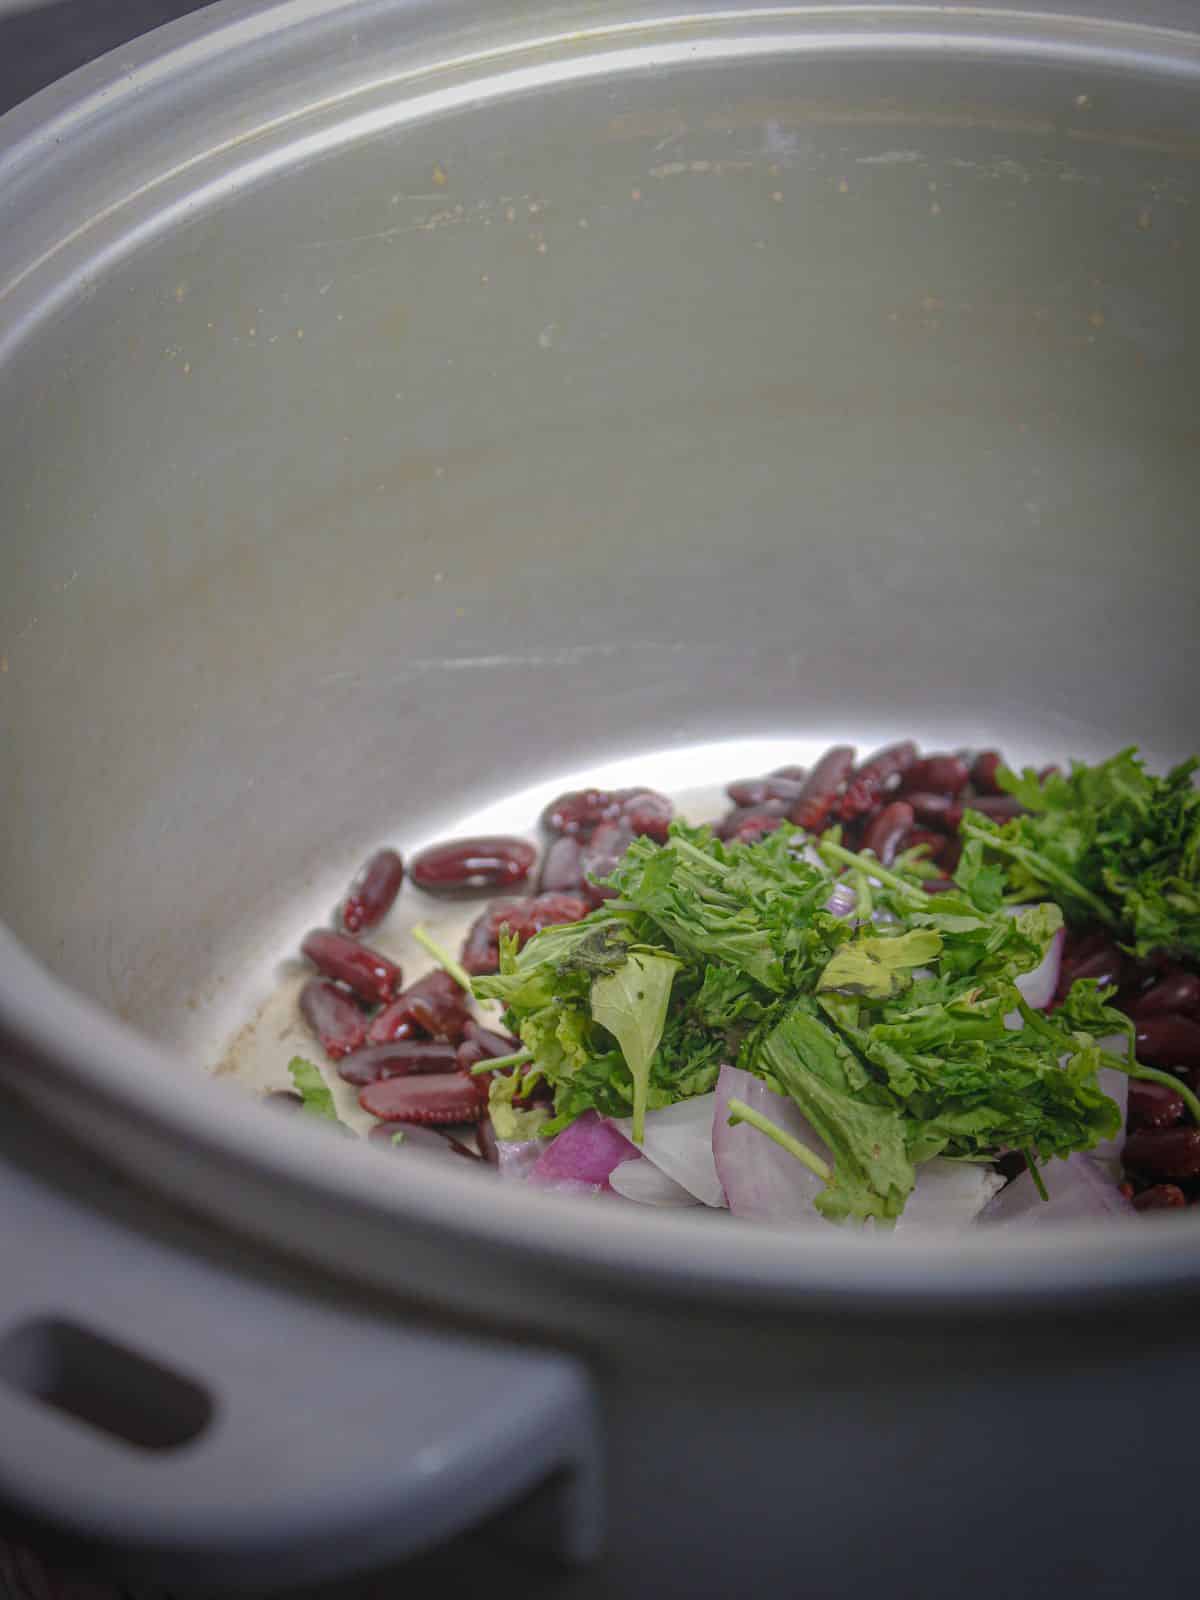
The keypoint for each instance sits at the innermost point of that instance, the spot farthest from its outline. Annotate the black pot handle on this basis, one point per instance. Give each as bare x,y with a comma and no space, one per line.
172,1417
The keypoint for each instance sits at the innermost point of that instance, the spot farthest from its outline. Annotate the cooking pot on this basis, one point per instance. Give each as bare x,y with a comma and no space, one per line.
407,406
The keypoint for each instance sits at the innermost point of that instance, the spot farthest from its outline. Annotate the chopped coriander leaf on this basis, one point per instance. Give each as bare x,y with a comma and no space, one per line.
314,1091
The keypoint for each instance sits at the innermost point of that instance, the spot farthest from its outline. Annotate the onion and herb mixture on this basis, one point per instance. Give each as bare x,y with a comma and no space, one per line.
913,990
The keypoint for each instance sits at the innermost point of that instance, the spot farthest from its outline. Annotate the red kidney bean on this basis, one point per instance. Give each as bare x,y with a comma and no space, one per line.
950,855
886,831
393,1022
749,792
469,1054
647,813
579,812
562,871
935,843
939,885
878,776
1164,1152
372,977
796,774
1168,1041
1153,1105
1000,808
417,1138
941,775
333,1017
600,855
749,823
491,1042
822,789
284,1100
400,1059
935,810
438,1006
485,1137
373,892
1160,1197
983,772
473,866
1178,993
481,948
437,1100
1106,964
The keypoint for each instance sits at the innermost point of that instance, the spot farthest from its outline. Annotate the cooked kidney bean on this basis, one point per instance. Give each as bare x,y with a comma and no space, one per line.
397,1060
481,948
1105,964
935,810
887,831
939,885
1180,992
983,772
373,892
822,789
934,843
601,853
284,1100
942,775
562,869
579,812
950,854
1153,1105
372,977
1160,1197
1164,1152
756,791
796,774
472,866
1168,1041
438,1006
437,1099
878,776
1000,807
417,1138
491,1042
749,824
485,1137
333,1017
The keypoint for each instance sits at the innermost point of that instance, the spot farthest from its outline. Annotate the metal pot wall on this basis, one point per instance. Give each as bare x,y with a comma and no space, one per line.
403,404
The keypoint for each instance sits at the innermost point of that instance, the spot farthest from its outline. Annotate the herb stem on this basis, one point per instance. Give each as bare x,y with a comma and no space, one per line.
447,962
1135,1069
872,868
1040,866
739,1111
496,1063
1039,1183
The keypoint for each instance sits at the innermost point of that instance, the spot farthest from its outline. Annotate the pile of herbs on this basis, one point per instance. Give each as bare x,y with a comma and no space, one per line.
886,1028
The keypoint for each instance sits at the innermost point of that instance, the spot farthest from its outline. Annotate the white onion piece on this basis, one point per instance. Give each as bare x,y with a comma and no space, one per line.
642,1181
515,1158
1038,987
1081,1189
679,1142
948,1194
761,1180
1115,1084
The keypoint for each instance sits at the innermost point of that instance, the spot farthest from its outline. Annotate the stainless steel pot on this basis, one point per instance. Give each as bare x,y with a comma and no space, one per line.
402,404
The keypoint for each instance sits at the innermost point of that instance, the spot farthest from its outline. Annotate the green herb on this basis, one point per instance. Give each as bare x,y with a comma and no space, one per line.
632,1004
314,1091
399,1136
1111,843
889,1036
499,1063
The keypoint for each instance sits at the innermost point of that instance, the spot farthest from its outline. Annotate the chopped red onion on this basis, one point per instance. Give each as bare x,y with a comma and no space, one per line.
1038,987
842,901
586,1153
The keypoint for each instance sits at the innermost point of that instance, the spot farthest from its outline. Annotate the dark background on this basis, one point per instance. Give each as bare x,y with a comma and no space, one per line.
41,44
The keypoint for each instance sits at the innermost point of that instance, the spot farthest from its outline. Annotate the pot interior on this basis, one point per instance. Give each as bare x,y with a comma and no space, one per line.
667,401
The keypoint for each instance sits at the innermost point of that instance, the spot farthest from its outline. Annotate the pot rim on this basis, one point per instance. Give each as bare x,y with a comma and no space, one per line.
68,1046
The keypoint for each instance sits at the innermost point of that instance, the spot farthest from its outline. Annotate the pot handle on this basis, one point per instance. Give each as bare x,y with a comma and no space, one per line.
169,1415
